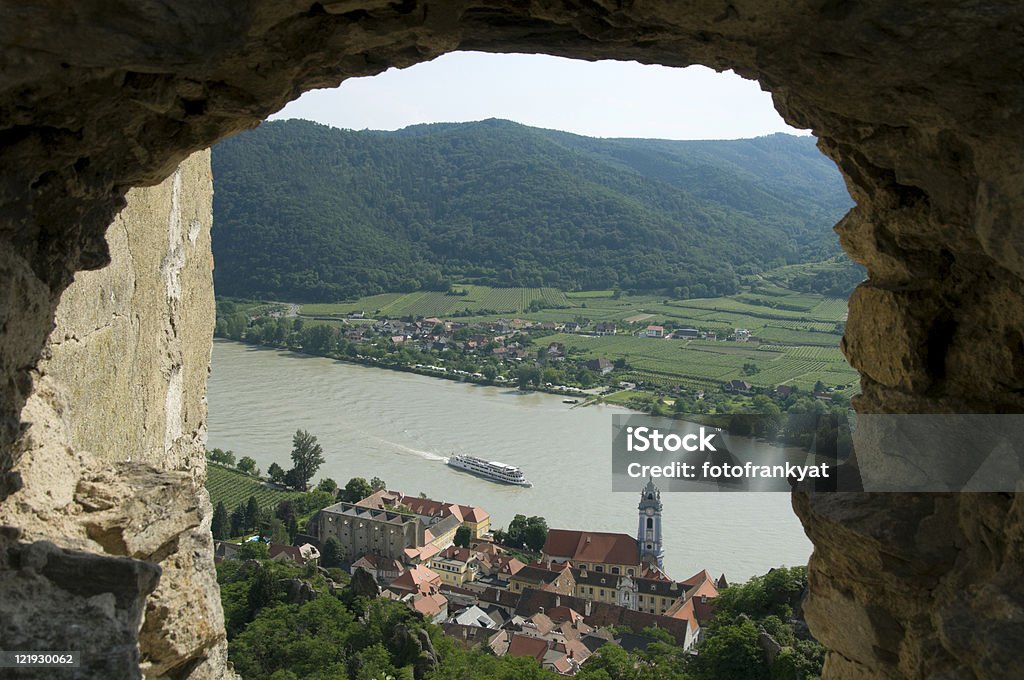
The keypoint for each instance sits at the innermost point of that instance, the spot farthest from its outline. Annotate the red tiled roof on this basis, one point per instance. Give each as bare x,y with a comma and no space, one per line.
563,613
454,552
473,513
601,613
509,565
697,578
416,579
523,645
592,546
428,507
293,552
429,605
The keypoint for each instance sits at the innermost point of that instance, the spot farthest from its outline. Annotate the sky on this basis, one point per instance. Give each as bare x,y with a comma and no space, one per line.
597,99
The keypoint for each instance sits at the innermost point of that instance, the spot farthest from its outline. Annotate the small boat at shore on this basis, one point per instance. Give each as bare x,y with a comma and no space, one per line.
492,470
570,401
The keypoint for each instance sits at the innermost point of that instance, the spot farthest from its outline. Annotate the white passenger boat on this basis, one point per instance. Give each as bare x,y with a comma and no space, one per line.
492,470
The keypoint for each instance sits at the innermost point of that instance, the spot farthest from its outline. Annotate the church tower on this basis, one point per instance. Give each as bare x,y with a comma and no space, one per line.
648,533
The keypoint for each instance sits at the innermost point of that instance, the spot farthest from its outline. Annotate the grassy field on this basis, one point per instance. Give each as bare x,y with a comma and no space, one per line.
799,332
234,488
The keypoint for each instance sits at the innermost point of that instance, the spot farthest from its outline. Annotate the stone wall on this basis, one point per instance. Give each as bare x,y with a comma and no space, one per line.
920,105
122,390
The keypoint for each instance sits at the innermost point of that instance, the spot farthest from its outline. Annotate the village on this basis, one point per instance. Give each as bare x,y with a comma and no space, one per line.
571,358
586,589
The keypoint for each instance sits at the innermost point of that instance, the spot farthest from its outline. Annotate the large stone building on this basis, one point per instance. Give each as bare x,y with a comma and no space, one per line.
359,531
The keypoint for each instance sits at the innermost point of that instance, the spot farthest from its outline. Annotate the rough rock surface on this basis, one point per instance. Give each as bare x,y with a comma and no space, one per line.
920,104
112,462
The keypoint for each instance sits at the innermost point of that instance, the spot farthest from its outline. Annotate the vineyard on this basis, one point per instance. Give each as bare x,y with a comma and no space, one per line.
234,488
483,299
706,364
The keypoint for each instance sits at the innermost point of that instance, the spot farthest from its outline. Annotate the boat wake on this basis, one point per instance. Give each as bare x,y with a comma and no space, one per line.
428,455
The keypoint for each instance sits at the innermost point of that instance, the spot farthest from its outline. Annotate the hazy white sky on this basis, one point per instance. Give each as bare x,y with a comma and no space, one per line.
599,99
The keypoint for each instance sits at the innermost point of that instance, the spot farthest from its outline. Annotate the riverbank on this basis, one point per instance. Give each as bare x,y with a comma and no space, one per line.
426,370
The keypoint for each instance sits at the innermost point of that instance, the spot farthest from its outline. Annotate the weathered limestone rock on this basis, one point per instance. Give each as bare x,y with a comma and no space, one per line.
99,598
920,104
112,462
131,347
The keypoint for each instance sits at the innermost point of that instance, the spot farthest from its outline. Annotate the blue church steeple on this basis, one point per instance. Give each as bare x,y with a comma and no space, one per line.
648,533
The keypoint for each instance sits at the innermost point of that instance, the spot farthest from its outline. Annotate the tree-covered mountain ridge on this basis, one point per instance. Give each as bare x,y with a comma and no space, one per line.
307,212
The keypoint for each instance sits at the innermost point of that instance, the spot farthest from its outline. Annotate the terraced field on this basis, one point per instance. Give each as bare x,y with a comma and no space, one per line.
798,331
234,489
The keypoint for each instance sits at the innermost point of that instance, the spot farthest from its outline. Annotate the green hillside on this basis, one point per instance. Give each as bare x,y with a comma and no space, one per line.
311,213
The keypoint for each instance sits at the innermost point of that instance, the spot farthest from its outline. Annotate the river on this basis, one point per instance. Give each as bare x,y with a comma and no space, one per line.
401,426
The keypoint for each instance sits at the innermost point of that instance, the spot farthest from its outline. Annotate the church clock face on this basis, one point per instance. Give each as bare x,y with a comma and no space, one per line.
649,511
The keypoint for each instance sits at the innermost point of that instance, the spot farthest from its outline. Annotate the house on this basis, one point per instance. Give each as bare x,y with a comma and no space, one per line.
384,570
433,606
654,332
474,616
604,614
784,391
442,533
572,327
604,328
455,565
558,580
298,555
224,550
416,579
468,636
550,651
432,512
687,333
738,387
555,352
600,365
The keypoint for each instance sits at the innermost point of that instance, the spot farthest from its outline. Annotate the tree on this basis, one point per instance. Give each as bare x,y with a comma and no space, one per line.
222,457
285,511
247,465
276,473
252,513
279,532
220,527
331,555
307,457
732,652
291,478
463,536
329,485
356,490
536,533
238,521
377,484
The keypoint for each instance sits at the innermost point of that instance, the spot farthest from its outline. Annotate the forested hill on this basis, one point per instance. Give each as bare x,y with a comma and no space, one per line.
307,212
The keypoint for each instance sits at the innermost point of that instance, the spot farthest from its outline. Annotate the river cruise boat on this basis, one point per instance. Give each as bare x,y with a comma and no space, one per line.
492,470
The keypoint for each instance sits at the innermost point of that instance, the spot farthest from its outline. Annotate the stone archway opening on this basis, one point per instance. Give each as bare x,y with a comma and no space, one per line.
794,549
919,107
